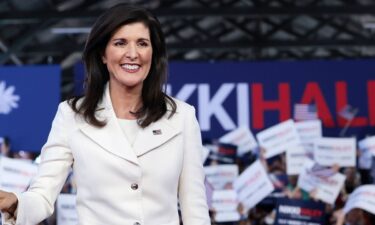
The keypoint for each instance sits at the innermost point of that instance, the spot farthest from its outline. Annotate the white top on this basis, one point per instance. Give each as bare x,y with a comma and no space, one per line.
130,129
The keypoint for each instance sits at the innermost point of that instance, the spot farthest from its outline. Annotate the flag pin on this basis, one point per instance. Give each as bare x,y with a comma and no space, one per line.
156,132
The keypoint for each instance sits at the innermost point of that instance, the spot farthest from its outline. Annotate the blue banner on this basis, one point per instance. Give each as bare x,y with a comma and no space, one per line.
29,97
299,212
261,94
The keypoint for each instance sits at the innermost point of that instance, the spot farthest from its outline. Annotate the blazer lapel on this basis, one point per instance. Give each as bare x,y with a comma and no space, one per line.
110,137
154,135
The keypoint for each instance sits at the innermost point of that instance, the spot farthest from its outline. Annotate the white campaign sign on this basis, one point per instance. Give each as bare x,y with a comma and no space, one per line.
278,138
309,130
368,143
295,159
242,138
330,151
66,210
362,197
221,176
365,159
224,200
253,185
227,216
225,204
16,174
329,188
305,180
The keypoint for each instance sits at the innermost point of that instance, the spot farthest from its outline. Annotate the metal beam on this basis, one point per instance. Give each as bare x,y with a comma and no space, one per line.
21,42
237,45
201,12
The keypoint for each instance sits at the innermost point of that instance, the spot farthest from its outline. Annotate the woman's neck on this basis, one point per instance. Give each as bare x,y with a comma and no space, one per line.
125,101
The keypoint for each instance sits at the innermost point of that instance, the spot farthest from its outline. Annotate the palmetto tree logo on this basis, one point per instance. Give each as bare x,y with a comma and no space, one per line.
8,100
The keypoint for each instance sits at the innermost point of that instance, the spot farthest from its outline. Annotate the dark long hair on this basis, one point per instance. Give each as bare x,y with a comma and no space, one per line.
155,101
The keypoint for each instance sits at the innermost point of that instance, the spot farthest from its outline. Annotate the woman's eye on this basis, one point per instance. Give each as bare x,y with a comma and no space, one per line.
119,43
143,44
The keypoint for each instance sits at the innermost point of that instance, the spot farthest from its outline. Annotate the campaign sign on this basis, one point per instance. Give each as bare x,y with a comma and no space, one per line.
224,200
253,185
29,96
368,144
16,174
227,216
330,151
362,197
278,138
309,130
295,159
221,176
242,138
329,187
365,159
325,181
299,212
306,180
223,153
66,210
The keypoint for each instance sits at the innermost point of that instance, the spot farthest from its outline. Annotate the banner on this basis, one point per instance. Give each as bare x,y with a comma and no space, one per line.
257,95
29,96
330,151
299,212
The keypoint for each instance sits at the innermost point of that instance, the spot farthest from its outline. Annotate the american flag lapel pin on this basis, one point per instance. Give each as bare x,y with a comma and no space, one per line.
156,132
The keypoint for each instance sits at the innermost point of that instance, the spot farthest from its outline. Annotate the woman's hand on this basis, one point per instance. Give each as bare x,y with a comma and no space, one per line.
8,202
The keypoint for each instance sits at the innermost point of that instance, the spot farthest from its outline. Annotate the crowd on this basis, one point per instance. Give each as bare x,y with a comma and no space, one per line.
286,187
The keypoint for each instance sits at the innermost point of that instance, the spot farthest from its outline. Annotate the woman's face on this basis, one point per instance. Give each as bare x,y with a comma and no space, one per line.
128,56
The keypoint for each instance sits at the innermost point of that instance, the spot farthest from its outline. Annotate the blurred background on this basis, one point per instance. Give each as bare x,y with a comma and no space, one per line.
246,65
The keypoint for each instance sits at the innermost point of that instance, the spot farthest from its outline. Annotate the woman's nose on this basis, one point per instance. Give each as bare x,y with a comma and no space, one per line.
131,51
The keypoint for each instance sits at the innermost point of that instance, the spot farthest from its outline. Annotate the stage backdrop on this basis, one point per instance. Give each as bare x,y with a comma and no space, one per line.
29,97
260,94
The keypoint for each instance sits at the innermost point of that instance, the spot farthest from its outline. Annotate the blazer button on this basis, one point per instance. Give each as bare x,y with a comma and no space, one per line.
136,223
135,187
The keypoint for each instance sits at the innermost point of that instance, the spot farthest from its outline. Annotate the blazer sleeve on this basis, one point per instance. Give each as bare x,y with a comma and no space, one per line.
37,203
192,194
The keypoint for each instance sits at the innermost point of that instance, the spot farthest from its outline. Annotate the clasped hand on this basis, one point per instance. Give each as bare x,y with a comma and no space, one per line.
8,202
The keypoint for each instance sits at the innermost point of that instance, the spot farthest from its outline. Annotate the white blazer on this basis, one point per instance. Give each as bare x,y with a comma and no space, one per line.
118,184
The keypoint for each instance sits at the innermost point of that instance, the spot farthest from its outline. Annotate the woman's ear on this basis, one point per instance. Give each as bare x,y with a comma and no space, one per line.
104,60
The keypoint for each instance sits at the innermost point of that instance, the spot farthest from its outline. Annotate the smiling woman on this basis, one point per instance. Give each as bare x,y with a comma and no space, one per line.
137,152
128,57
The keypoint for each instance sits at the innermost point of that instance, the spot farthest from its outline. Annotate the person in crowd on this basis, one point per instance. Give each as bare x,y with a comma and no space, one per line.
5,147
136,153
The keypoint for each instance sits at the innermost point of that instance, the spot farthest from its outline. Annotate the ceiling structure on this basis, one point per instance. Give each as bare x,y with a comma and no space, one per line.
54,31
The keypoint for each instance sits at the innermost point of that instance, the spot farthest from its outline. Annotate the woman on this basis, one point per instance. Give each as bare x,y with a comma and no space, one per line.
135,152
